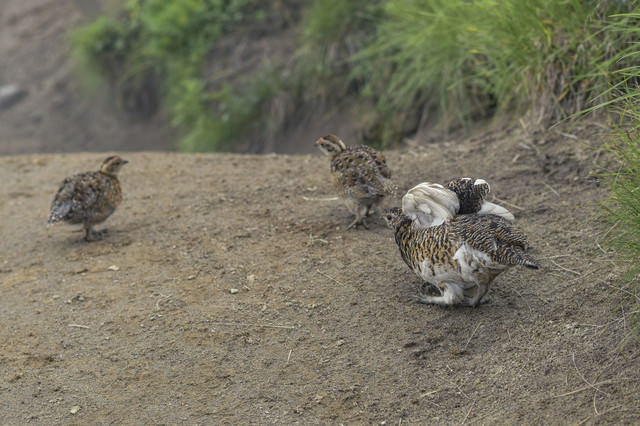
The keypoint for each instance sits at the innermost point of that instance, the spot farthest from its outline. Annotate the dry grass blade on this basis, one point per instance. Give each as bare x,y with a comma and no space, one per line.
329,277
564,269
573,356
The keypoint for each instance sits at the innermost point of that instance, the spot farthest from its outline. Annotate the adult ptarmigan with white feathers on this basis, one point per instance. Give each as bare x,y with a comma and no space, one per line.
455,242
431,203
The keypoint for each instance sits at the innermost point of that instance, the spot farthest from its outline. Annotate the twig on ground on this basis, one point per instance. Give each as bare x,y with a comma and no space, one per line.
525,300
468,412
471,337
79,326
331,278
454,384
573,356
564,269
584,388
551,188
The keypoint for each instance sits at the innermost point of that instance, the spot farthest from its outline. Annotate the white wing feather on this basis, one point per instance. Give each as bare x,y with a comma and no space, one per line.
491,208
430,204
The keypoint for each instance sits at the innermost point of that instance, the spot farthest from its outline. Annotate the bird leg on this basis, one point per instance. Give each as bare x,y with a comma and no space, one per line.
478,293
449,295
358,221
360,213
370,210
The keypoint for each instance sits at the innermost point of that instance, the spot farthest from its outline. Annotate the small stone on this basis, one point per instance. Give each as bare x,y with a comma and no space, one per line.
233,291
113,268
191,277
74,409
11,94
251,278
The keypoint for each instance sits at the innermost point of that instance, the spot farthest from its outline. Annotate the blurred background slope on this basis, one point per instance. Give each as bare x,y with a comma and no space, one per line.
255,76
44,107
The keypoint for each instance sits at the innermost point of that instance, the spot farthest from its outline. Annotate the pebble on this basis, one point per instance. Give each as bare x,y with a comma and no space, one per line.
10,94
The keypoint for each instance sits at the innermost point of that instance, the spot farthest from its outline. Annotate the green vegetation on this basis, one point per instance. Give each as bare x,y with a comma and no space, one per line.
623,212
399,60
156,52
623,176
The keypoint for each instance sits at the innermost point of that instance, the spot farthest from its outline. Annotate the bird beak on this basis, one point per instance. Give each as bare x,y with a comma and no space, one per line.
125,161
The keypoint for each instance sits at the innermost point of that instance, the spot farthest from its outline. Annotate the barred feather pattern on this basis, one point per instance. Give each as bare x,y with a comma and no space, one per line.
461,257
471,193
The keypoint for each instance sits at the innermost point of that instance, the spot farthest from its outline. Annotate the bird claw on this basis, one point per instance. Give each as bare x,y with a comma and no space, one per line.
93,235
357,222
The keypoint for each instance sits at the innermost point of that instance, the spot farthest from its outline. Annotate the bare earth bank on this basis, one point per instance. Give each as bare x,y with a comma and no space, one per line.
144,326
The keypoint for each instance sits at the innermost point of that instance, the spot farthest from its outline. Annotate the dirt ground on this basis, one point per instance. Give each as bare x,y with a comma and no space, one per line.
228,290
147,326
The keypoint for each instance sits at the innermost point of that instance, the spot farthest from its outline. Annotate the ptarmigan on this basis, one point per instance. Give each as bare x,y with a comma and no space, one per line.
89,198
462,256
360,176
431,204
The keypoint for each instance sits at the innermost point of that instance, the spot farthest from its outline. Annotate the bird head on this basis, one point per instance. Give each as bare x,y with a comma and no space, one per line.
330,145
394,217
112,164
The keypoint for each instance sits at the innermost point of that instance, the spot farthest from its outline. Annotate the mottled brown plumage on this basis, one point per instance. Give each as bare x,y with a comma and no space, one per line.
360,176
89,198
461,257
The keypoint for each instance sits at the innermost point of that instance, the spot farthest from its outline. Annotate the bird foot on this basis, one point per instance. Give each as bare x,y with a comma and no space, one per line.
357,222
93,235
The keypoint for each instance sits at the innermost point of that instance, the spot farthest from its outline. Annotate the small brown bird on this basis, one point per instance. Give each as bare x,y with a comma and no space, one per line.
461,257
360,176
432,204
89,198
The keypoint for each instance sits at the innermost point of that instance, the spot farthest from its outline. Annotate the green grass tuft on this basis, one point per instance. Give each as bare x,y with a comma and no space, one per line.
622,209
468,60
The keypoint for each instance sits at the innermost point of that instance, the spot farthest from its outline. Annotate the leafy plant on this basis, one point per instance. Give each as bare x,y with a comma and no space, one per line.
154,53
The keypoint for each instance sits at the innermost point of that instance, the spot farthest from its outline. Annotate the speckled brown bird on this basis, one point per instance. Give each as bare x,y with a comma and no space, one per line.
360,176
461,257
431,203
89,198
